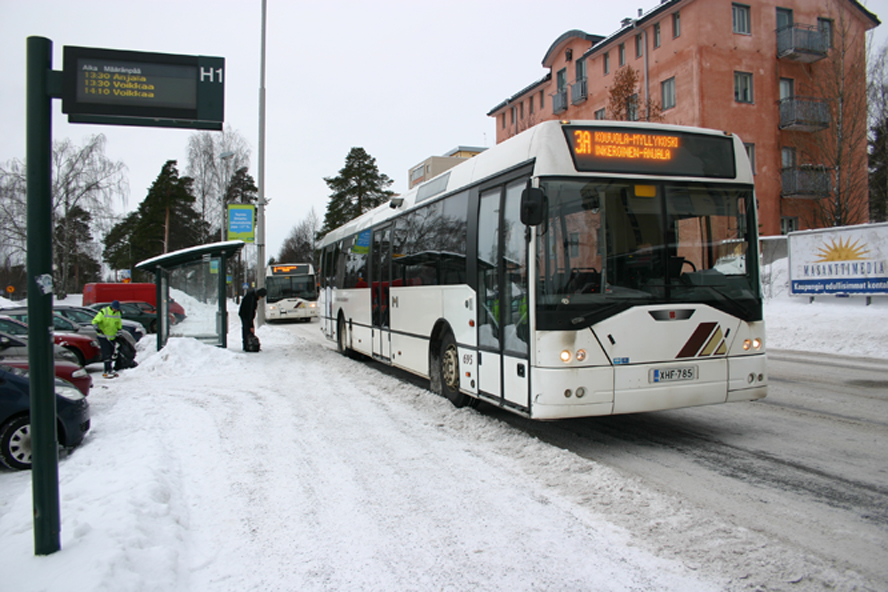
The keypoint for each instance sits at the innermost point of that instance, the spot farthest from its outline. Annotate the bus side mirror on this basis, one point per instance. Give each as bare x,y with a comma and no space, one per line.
533,206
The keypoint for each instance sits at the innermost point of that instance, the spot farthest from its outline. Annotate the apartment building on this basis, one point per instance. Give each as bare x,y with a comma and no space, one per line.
788,77
435,165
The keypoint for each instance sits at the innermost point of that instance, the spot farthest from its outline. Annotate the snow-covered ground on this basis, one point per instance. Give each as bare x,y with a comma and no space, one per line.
299,469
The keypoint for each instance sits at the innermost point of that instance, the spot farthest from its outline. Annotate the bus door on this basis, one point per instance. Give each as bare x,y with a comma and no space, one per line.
380,282
503,326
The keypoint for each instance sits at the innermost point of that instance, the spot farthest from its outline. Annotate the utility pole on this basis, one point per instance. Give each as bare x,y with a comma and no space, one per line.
260,204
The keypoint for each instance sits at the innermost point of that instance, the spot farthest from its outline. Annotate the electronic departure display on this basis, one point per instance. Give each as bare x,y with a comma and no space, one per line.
639,151
129,84
298,268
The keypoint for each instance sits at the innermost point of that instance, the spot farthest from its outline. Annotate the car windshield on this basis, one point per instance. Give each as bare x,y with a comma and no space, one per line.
78,316
608,245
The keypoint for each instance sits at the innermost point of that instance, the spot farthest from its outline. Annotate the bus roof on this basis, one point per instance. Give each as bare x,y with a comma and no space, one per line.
545,146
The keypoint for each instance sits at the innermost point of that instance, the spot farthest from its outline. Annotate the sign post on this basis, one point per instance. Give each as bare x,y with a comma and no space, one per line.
44,443
96,86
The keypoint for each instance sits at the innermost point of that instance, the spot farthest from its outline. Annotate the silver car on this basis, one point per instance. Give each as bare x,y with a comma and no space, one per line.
16,346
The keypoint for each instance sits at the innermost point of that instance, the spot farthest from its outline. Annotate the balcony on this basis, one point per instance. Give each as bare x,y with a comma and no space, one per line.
806,182
802,43
559,102
804,114
579,91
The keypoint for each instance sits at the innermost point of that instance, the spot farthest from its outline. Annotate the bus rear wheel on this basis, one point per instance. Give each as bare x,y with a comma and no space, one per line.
448,372
340,336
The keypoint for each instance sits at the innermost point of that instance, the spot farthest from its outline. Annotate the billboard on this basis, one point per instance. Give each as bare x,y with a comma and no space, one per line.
849,260
242,222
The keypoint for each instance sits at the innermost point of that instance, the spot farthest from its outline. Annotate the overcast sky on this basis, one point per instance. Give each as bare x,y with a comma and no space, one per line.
404,80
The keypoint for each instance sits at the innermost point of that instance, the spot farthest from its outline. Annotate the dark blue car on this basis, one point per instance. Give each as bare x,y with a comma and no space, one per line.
72,416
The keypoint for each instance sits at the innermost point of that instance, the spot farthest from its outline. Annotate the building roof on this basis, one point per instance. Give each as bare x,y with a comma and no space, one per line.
550,53
522,92
465,149
629,24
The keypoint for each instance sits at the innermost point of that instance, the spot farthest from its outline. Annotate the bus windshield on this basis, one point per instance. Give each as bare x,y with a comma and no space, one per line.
608,245
282,287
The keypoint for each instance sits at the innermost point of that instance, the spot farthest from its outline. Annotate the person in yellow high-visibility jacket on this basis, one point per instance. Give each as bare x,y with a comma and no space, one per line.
108,324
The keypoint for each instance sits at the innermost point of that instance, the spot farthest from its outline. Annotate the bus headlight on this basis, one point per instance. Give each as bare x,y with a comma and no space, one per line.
567,356
755,344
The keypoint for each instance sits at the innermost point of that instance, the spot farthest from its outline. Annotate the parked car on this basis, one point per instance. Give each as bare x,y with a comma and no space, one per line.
15,345
70,371
131,292
82,342
72,416
141,312
83,316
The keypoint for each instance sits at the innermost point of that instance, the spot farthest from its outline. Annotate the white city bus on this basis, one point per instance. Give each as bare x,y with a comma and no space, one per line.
292,292
577,269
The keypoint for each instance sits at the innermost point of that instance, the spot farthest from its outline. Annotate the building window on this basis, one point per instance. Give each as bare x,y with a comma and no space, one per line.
825,26
521,110
788,157
581,70
784,18
622,53
656,35
743,87
676,24
667,90
750,152
741,19
574,239
561,80
788,224
504,119
530,105
607,62
600,114
542,102
632,108
639,46
787,88
512,110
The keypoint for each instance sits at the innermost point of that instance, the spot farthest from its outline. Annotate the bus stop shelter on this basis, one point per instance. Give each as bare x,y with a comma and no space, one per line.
195,278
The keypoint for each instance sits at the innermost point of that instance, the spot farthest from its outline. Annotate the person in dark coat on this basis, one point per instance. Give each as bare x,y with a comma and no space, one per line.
247,312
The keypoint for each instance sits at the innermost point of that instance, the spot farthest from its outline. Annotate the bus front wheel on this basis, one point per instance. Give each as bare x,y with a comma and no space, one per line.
448,372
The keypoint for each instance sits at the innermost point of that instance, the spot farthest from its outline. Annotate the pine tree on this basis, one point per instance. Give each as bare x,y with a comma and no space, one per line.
358,188
73,238
241,188
165,221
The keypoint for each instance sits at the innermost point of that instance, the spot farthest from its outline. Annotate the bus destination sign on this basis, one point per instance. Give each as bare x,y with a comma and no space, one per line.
300,268
138,88
627,150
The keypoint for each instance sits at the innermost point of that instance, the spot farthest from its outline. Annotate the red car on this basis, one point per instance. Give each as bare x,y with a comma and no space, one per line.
69,371
85,348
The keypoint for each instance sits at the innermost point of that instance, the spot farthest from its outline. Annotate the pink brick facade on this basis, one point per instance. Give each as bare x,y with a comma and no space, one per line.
702,58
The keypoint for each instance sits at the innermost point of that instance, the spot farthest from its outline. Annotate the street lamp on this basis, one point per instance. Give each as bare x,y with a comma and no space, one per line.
222,230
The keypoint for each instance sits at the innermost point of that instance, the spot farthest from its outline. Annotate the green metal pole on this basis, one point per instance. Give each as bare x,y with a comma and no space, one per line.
44,440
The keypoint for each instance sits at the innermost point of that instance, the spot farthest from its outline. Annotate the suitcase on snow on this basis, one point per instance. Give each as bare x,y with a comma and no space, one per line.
253,344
